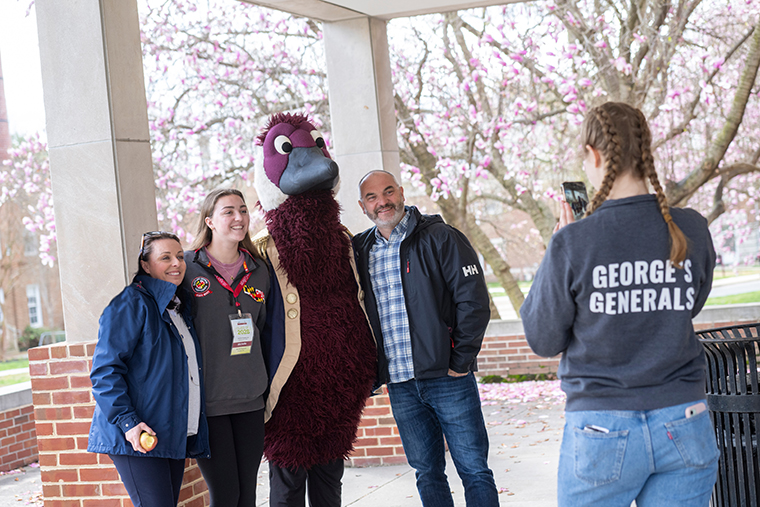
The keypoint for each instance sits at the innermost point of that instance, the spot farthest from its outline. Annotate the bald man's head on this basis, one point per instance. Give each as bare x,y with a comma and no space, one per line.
382,199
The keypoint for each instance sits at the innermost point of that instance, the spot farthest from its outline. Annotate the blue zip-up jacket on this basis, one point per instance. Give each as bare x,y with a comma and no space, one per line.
139,373
445,294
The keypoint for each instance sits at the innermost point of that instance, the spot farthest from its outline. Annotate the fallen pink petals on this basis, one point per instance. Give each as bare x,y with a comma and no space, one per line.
544,391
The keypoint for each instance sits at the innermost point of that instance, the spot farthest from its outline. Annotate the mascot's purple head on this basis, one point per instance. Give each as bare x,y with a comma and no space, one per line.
295,160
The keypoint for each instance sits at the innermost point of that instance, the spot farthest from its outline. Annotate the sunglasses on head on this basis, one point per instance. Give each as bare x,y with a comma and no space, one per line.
148,235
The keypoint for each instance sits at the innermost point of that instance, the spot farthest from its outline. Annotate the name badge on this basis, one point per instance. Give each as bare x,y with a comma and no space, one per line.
242,333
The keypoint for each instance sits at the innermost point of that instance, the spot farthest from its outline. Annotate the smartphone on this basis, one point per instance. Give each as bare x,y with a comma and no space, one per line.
695,409
576,197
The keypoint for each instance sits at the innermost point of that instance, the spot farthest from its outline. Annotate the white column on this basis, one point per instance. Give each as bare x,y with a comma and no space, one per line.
361,107
100,159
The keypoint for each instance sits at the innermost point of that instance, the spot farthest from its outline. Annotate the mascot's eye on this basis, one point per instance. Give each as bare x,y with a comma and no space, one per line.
318,138
283,145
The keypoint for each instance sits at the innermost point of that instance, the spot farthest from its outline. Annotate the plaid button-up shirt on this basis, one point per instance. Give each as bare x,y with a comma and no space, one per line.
385,274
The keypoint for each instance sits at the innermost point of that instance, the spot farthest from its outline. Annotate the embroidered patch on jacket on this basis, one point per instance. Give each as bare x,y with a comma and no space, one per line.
256,294
201,286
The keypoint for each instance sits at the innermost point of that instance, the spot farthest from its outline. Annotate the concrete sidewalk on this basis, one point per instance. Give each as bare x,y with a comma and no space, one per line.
21,487
524,452
524,428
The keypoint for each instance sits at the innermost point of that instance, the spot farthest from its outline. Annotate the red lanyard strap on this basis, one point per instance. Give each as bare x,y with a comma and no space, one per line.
236,292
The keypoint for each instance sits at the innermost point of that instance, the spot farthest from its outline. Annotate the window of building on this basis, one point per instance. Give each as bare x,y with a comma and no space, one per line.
31,247
35,308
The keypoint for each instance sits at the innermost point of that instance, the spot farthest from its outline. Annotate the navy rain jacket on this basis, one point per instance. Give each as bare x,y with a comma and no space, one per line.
139,373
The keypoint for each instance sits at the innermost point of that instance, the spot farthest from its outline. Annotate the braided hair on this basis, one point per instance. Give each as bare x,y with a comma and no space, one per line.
621,133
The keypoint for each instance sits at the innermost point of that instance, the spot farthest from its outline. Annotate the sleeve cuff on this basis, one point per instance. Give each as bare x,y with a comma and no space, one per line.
126,423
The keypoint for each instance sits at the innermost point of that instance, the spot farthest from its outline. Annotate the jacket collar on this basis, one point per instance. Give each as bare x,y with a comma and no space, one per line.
161,291
417,222
201,257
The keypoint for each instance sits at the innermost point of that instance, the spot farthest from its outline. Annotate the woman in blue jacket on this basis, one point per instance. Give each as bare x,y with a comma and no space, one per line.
146,378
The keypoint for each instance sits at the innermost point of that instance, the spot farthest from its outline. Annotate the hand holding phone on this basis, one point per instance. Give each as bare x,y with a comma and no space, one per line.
576,196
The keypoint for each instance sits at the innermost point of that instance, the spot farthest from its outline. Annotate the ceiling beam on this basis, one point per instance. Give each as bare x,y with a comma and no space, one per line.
341,10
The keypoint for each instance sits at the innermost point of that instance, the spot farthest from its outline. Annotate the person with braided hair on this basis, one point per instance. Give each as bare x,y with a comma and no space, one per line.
615,295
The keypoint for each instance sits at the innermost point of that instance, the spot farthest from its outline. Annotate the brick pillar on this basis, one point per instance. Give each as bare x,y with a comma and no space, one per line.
63,407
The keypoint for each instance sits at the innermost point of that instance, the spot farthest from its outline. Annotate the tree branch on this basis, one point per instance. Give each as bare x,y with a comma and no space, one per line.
679,192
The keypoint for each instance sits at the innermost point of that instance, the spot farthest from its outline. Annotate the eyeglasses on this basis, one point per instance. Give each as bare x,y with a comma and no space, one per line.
148,235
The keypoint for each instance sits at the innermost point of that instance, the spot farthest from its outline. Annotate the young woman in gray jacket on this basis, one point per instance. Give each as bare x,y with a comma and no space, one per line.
615,295
229,288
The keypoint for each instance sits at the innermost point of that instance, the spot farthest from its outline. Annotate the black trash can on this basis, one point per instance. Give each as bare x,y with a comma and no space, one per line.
733,397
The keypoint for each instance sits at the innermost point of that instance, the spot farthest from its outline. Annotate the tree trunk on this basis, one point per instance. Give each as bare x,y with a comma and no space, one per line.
500,267
495,315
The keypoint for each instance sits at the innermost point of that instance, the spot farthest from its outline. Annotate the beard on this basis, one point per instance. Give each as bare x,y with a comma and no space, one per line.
393,220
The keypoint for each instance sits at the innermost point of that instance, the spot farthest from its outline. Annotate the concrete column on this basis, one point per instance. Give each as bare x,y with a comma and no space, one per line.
361,107
100,159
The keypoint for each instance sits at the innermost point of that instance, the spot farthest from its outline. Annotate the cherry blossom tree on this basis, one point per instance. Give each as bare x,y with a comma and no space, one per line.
490,101
25,179
213,76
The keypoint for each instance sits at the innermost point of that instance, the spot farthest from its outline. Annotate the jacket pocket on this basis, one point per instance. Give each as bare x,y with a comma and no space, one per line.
695,440
599,456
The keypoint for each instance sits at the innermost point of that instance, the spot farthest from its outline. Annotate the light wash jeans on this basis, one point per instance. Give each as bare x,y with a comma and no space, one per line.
657,457
425,411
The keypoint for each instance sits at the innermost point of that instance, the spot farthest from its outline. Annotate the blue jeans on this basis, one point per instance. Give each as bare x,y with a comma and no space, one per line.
428,410
656,457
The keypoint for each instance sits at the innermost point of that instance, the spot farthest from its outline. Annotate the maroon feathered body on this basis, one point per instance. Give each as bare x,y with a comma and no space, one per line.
320,406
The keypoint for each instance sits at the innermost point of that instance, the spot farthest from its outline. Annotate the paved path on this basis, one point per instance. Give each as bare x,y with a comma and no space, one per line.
16,371
735,285
525,432
21,487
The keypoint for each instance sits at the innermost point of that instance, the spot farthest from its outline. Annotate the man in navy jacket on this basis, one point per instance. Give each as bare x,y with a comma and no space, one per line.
428,305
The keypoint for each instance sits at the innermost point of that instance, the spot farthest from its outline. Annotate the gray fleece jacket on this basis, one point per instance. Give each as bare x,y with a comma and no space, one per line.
234,384
607,298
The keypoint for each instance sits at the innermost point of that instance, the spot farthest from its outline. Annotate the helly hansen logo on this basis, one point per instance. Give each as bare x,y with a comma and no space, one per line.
470,270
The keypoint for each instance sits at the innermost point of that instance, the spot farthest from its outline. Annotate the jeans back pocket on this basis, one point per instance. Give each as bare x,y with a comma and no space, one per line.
599,456
695,440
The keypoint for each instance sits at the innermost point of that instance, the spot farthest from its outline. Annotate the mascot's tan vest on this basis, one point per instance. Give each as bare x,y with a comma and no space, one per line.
268,251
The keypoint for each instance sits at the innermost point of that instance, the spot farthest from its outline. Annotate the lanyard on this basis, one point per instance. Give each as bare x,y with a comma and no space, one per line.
236,292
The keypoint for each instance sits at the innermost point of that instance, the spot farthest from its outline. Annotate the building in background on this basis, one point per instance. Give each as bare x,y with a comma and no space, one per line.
30,293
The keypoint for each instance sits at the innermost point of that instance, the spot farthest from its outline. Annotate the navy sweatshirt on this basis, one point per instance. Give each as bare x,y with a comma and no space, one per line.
608,299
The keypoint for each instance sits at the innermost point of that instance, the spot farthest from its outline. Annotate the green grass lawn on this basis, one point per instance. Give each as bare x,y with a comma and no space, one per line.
747,297
12,365
7,380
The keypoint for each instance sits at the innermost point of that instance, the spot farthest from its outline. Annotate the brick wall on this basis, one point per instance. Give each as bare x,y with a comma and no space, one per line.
18,438
506,352
63,406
